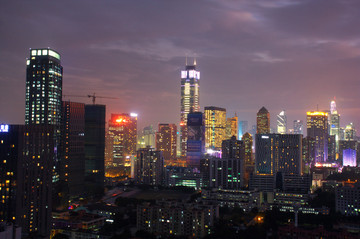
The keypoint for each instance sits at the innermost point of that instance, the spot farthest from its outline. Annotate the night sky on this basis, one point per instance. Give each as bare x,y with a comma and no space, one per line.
291,55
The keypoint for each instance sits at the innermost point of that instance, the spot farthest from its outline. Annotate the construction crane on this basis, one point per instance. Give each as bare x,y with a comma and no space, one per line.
93,96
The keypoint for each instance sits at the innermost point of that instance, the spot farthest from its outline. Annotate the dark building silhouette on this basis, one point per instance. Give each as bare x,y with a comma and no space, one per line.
11,174
94,148
72,149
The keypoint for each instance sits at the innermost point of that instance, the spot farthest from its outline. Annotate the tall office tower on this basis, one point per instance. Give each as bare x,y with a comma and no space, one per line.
190,87
123,131
350,132
281,123
44,94
166,140
215,124
335,123
72,149
308,153
94,148
317,128
331,149
232,127
243,128
263,121
233,148
39,150
149,135
43,87
149,166
196,139
298,127
278,153
249,162
11,175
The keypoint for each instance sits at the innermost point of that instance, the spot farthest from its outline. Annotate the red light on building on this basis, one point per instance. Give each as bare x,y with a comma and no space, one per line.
121,120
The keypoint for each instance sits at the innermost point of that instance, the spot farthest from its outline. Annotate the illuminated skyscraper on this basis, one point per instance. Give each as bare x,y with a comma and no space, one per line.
166,140
263,121
243,128
123,131
196,139
43,87
190,79
232,127
248,156
350,132
215,124
298,127
335,123
281,123
317,128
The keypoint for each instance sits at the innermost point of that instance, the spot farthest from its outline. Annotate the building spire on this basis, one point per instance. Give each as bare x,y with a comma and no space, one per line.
186,63
194,61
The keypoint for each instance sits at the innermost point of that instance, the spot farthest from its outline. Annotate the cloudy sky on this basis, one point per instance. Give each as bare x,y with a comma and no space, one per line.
291,55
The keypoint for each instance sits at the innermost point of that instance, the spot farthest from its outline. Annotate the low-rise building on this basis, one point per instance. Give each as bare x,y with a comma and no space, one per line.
193,220
347,199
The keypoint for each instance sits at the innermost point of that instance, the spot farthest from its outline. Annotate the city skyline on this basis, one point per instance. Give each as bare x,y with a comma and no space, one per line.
258,57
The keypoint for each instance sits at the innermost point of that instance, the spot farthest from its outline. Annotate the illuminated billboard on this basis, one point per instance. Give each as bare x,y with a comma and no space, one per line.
4,128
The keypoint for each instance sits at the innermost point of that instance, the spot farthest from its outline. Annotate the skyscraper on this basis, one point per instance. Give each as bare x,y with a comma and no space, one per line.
281,123
190,79
215,124
298,127
263,121
43,87
123,132
196,139
72,149
317,128
166,140
94,148
243,128
249,162
232,127
43,104
350,132
335,123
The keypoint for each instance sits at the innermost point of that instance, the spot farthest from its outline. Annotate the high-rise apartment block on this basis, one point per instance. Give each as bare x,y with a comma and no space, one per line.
149,166
215,124
278,153
281,123
317,128
263,121
11,173
190,91
166,138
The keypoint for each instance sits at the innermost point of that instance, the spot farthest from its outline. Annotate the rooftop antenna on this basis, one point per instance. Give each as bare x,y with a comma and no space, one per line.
194,61
186,63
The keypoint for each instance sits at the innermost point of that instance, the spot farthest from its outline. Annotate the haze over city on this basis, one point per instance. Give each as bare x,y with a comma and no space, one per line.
291,55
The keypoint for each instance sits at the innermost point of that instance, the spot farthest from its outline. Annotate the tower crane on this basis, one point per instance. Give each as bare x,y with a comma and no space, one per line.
93,96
